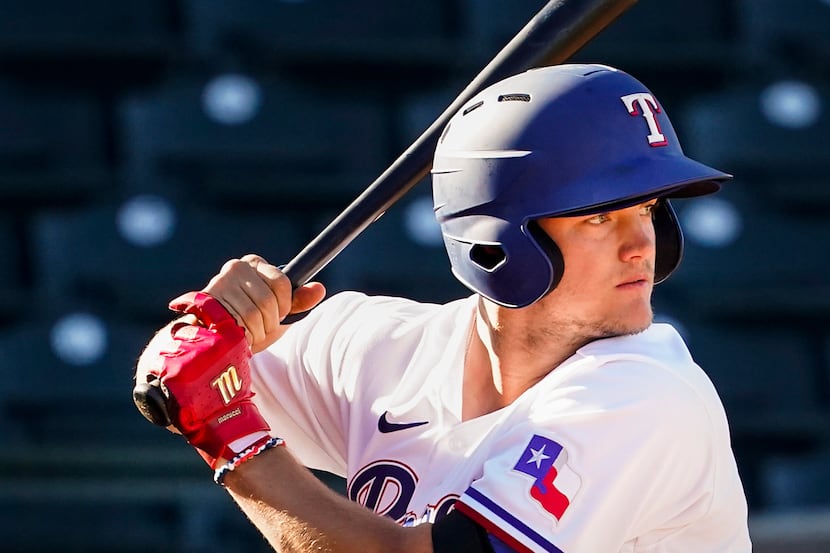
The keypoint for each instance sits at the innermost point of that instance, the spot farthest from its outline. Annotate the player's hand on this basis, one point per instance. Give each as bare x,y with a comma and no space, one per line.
205,369
259,296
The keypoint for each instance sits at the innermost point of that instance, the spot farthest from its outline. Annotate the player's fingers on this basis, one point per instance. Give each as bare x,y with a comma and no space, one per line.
279,303
236,286
272,294
305,297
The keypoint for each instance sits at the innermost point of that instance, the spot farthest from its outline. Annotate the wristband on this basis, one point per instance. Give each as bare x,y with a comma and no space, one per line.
258,447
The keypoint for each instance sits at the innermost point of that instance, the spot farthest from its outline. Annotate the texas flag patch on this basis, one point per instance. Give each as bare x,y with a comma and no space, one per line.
554,483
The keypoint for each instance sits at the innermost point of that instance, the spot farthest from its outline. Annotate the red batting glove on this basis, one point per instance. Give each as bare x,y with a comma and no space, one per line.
208,378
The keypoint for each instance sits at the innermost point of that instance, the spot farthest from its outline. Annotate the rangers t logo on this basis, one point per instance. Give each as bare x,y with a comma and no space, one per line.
554,483
644,101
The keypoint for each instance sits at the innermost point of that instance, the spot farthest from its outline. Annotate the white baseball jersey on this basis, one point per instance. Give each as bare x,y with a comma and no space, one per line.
624,447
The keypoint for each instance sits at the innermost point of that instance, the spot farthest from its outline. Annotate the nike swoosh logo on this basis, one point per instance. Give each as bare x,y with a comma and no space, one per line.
385,427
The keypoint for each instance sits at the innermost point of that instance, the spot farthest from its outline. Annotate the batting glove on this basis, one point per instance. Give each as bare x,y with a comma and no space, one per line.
208,379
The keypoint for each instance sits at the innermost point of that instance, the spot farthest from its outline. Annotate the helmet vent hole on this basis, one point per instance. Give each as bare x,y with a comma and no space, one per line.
473,107
487,257
514,97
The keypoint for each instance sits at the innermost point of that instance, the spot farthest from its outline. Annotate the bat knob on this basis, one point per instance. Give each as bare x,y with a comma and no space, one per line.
152,403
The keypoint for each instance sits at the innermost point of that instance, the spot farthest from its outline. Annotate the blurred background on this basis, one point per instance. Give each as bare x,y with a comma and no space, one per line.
144,142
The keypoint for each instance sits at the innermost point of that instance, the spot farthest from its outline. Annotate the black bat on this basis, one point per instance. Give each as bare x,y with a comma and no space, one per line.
552,36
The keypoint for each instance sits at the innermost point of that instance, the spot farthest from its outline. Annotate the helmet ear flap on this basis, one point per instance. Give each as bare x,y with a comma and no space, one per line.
669,247
515,271
551,250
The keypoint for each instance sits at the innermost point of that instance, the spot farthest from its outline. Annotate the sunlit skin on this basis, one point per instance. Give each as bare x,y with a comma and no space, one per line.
608,279
605,291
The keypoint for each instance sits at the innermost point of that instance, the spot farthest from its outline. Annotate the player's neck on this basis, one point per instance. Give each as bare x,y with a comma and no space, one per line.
500,366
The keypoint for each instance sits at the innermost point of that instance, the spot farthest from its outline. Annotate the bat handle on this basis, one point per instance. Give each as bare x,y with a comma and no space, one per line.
152,402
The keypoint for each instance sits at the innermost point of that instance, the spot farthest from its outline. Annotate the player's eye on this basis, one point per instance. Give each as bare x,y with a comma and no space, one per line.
648,209
599,218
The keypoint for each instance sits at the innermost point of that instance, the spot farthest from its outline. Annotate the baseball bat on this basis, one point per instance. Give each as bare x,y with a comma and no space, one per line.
552,36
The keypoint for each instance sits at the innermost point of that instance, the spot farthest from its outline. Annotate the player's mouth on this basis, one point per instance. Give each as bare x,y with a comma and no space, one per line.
635,282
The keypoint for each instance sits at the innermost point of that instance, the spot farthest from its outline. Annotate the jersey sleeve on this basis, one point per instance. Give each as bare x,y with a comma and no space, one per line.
598,464
311,382
300,386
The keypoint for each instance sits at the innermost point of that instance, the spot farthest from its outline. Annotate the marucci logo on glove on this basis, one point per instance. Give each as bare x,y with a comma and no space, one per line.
229,384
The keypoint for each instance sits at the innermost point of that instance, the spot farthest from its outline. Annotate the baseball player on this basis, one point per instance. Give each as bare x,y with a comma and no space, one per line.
545,412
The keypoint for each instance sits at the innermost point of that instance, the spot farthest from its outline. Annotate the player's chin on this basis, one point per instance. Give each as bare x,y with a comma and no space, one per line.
634,319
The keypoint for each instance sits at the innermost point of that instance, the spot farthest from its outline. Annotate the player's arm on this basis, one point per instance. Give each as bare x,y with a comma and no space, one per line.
202,361
296,512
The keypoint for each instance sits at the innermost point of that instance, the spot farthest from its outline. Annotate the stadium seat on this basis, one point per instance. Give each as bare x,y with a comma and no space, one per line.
15,288
92,511
53,145
797,482
746,259
652,32
69,376
402,253
37,30
242,139
325,34
136,255
793,32
767,376
762,130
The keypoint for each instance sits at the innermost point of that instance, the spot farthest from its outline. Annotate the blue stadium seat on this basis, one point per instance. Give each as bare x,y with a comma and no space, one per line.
91,30
68,374
772,133
53,144
745,258
652,32
235,138
323,33
136,255
102,514
784,32
797,482
771,129
15,288
402,253
767,375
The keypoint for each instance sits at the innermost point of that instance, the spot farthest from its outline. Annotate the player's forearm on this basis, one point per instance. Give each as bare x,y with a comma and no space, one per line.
297,513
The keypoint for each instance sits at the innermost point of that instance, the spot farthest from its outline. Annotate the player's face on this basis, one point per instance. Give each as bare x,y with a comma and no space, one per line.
609,272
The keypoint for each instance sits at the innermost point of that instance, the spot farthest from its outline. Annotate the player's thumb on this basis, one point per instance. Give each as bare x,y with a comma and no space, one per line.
306,297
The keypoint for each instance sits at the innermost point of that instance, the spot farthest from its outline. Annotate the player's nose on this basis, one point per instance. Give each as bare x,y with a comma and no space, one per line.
637,237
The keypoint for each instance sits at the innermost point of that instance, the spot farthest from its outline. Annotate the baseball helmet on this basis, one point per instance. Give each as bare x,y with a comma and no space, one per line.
566,140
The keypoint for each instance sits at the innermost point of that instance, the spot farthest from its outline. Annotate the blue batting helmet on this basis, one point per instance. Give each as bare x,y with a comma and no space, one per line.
556,141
